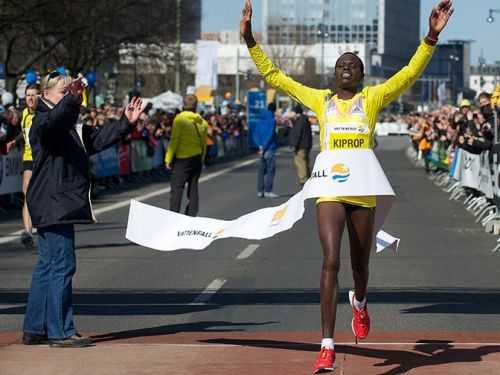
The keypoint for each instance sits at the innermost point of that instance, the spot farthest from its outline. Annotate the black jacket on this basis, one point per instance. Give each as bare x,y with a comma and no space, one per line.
59,190
301,134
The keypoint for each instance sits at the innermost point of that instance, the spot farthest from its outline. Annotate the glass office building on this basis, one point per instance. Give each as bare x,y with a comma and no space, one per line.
299,22
190,21
389,28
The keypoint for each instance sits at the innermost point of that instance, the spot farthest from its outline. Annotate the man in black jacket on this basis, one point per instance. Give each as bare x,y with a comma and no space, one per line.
58,197
301,143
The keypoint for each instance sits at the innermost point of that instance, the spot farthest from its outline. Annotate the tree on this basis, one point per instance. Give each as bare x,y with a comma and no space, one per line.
288,58
80,34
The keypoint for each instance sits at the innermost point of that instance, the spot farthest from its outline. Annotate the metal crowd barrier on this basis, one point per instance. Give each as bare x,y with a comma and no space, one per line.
470,179
125,159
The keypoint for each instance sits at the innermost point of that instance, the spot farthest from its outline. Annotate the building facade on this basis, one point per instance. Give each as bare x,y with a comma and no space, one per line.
483,83
190,21
452,63
383,25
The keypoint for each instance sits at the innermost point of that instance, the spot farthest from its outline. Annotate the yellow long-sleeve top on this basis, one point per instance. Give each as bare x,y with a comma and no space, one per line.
185,140
26,121
373,98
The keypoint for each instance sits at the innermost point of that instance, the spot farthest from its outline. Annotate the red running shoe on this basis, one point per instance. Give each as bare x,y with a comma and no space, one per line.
360,320
325,361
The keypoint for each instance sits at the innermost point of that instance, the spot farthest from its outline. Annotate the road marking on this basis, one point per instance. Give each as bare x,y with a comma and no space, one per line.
11,237
249,250
15,235
457,344
419,343
7,306
209,292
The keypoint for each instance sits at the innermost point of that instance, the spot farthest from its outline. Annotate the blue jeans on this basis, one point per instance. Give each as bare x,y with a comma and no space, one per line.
50,308
267,170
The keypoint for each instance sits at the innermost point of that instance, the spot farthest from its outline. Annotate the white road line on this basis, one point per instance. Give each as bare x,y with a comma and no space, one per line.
209,292
11,237
226,346
15,235
249,250
455,344
419,343
5,307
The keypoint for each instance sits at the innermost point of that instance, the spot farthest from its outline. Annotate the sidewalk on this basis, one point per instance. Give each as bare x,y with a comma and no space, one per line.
257,353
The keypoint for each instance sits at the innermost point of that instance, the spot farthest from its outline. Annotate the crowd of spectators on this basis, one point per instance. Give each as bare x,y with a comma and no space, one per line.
468,127
10,128
225,137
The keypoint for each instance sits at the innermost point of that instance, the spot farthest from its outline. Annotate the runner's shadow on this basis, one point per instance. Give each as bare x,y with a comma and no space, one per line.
208,326
430,353
425,355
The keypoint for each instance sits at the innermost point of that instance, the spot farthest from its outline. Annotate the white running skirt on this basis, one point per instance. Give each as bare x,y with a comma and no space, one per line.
335,174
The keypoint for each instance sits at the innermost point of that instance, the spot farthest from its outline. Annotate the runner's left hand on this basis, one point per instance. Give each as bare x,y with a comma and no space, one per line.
439,17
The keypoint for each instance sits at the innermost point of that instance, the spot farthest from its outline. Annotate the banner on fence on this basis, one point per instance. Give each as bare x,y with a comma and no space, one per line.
485,177
105,163
471,169
456,164
124,159
10,172
439,156
383,129
140,160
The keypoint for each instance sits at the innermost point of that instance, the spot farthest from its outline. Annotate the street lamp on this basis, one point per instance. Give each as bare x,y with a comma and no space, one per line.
323,34
451,73
178,48
490,18
135,56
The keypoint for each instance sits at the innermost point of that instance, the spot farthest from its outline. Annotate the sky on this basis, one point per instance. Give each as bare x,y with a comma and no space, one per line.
469,22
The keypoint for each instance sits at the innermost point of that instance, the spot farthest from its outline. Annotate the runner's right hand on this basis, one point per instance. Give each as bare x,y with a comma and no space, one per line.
246,24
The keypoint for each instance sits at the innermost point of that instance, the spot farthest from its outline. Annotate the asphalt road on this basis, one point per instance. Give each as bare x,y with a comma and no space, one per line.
444,278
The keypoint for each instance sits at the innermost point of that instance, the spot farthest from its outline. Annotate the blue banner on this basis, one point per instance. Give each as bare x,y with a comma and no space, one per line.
106,163
257,110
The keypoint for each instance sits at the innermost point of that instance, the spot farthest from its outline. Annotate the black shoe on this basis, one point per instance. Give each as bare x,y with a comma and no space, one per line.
75,341
31,339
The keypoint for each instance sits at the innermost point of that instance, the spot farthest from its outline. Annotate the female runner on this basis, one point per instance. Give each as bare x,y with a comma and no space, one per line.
347,121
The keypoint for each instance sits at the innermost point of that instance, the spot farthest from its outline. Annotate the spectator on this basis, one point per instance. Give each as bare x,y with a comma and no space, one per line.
185,155
301,143
212,146
31,92
266,140
10,133
486,108
58,197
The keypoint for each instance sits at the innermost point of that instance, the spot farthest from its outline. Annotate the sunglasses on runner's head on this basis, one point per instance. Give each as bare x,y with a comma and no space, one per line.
54,74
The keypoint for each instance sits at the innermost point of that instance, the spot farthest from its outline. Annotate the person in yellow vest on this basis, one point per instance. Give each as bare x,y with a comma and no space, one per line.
347,121
32,92
185,154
